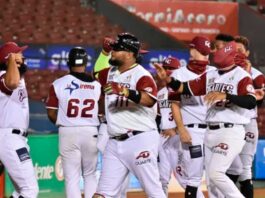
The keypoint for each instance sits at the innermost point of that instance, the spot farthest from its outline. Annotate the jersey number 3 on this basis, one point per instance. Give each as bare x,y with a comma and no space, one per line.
73,108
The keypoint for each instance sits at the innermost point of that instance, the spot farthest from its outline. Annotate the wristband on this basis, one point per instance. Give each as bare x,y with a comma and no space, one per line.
134,96
174,84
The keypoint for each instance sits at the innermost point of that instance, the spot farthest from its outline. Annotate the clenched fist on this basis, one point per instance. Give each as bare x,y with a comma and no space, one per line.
107,44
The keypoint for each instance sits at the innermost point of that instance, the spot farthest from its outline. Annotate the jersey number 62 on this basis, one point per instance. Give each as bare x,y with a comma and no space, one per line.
73,108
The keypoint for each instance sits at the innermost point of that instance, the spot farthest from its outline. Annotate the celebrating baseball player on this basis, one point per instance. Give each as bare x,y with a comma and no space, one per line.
14,122
130,107
229,93
169,139
251,129
192,125
101,63
73,105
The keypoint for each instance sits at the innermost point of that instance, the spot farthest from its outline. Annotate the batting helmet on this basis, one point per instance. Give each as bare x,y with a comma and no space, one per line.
126,42
77,57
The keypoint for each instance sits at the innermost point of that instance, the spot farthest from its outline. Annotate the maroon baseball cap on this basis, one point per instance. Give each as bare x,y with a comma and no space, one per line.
201,44
171,62
10,47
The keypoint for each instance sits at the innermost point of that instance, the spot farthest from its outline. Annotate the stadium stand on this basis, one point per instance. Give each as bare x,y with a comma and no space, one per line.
51,21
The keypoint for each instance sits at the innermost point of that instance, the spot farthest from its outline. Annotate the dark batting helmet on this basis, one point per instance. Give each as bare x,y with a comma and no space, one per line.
77,57
126,42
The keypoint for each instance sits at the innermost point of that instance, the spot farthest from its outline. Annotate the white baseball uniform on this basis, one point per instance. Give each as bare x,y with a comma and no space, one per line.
169,146
14,150
249,149
193,111
77,118
103,138
139,152
224,139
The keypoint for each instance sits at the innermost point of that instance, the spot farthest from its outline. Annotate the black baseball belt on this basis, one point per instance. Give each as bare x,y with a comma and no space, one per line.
19,132
202,126
221,125
125,136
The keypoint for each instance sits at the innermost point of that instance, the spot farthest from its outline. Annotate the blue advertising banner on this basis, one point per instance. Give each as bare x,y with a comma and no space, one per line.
58,54
259,162
36,57
159,55
53,56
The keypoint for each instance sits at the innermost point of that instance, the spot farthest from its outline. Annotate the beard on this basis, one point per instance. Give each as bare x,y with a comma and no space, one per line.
116,63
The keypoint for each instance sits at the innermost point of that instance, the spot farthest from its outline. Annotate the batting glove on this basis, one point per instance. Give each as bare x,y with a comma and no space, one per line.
107,44
116,88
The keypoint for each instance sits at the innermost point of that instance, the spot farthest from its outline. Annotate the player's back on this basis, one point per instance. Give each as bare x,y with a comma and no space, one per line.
78,101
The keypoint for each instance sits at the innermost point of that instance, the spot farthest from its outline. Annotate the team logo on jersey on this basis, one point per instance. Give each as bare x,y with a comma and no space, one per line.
164,104
128,78
143,158
160,97
179,170
249,137
250,88
148,89
220,87
22,95
211,80
73,86
221,148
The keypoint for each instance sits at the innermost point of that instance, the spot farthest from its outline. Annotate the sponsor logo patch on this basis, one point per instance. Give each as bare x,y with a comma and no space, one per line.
221,148
23,154
143,158
195,151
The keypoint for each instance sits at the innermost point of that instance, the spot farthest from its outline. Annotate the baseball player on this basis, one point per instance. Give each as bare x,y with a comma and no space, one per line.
130,107
192,126
14,121
72,105
101,63
229,92
251,129
169,140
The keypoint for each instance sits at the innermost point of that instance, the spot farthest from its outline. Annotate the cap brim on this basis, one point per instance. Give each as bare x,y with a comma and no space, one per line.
191,45
23,48
142,51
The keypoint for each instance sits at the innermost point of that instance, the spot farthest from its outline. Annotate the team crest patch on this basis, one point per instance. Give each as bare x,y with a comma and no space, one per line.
250,88
71,87
22,94
23,154
148,89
